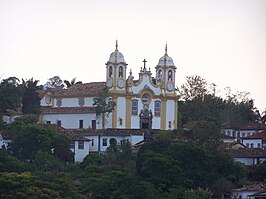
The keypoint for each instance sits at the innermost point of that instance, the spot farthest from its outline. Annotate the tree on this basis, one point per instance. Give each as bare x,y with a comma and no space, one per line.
30,139
195,86
203,133
61,148
72,82
104,106
55,82
10,94
198,193
31,99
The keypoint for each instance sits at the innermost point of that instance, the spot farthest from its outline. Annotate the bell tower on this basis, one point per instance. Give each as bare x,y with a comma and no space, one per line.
116,71
165,73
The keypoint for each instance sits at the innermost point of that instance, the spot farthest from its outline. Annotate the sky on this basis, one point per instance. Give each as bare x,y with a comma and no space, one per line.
223,41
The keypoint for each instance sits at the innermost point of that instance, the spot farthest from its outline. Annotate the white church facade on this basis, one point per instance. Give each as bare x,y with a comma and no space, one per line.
146,103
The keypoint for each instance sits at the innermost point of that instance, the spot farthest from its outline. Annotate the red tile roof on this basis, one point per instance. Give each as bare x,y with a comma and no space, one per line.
248,126
66,110
248,153
87,89
69,133
252,187
261,135
114,131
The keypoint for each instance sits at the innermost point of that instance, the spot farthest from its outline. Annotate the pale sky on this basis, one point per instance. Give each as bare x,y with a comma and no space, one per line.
223,41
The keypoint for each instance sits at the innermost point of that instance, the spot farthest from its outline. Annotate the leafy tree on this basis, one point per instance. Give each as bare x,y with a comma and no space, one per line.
29,140
72,82
259,172
198,193
9,163
61,148
104,105
45,161
55,82
31,99
195,86
31,186
203,133
161,170
10,94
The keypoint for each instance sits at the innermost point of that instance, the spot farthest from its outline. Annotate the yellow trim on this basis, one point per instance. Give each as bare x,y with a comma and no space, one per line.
114,113
128,111
163,114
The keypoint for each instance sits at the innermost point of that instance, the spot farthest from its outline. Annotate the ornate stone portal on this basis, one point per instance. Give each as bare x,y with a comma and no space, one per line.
145,118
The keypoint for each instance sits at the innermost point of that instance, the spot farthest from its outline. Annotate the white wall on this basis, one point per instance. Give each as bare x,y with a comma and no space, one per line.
121,112
144,82
98,139
80,154
170,114
243,194
255,142
70,121
245,161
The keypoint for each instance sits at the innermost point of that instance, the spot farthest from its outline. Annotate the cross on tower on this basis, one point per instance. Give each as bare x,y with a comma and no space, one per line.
144,61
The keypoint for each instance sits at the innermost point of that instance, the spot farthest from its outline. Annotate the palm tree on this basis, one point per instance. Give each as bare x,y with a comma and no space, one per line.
72,82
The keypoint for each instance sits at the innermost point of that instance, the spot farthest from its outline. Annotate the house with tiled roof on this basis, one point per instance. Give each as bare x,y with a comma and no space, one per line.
144,103
241,131
248,156
256,140
250,191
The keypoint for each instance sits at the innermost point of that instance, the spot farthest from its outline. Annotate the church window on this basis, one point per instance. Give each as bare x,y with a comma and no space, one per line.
157,108
247,145
81,102
170,75
92,142
160,75
81,124
110,71
104,141
145,98
81,145
59,102
120,73
251,145
258,145
134,107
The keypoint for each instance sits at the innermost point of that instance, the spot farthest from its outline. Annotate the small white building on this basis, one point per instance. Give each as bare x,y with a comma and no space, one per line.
248,156
100,139
255,141
249,191
243,130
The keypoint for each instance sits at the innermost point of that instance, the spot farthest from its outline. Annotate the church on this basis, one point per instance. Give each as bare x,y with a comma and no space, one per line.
149,102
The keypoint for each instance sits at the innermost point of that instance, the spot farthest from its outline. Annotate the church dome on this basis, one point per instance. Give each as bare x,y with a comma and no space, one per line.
166,60
116,56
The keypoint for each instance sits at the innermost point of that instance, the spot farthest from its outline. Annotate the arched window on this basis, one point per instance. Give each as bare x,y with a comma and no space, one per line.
170,75
160,75
110,71
134,107
120,73
157,108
